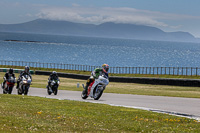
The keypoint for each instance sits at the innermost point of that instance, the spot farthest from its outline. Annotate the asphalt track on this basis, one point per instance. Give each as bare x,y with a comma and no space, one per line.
185,107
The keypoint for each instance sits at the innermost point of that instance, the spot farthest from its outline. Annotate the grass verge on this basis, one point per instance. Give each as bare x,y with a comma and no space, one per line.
34,114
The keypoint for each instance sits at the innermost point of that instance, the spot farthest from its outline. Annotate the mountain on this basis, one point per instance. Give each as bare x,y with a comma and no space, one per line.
108,30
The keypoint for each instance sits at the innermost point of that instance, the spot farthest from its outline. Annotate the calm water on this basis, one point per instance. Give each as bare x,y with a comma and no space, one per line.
96,51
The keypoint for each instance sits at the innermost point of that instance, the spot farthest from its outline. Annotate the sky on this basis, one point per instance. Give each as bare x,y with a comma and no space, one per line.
168,15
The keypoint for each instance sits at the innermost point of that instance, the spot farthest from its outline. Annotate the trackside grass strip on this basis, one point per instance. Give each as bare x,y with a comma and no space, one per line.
35,114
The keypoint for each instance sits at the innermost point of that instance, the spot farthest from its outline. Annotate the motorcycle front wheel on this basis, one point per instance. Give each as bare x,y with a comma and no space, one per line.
20,91
55,91
97,93
10,90
26,90
48,92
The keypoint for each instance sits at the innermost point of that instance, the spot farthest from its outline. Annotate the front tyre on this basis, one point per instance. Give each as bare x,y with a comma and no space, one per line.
26,90
10,90
56,91
20,91
49,93
97,93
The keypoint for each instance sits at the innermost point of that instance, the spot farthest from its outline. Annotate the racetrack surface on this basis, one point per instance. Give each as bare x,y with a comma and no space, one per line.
186,107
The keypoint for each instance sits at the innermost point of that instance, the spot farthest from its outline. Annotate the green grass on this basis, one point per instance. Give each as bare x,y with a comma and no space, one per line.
34,114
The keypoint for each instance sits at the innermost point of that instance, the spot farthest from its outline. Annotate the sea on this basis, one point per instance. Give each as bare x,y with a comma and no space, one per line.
97,51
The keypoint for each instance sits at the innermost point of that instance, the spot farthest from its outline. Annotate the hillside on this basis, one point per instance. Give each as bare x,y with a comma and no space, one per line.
109,30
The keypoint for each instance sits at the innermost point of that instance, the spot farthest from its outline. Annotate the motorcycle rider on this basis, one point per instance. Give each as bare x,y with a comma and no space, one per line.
23,73
52,76
95,74
7,75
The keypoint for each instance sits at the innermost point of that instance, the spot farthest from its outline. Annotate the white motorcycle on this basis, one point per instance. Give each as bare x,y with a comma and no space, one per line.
24,85
96,88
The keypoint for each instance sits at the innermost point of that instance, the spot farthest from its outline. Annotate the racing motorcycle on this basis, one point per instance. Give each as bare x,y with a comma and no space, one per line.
96,88
24,85
8,87
53,88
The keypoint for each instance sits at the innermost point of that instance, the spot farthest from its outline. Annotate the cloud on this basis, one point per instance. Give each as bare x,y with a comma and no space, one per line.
110,14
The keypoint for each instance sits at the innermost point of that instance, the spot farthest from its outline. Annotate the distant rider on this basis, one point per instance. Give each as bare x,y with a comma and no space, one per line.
95,75
23,73
53,76
8,75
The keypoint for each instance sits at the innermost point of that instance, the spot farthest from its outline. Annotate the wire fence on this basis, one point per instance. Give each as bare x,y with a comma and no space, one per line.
188,71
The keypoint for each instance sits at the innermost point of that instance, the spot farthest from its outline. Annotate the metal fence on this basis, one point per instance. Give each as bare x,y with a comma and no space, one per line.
189,71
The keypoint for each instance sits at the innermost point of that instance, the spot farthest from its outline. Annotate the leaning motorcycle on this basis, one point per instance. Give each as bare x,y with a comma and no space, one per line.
8,87
24,85
53,88
96,88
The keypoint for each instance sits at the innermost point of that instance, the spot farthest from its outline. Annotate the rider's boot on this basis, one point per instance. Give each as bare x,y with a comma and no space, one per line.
4,82
89,81
86,88
3,85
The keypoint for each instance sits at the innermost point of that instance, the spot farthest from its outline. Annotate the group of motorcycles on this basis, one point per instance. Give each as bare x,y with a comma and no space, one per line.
24,85
95,89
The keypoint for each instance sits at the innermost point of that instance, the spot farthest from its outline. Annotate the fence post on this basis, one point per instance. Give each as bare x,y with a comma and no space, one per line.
186,71
157,70
153,70
196,71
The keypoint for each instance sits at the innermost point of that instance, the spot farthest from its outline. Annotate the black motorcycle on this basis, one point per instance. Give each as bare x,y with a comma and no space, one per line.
53,88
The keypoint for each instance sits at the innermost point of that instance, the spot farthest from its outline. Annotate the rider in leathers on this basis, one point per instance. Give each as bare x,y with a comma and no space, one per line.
23,73
8,75
52,76
95,74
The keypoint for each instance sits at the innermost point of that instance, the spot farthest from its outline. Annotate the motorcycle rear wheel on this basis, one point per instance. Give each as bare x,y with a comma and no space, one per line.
20,91
84,95
4,92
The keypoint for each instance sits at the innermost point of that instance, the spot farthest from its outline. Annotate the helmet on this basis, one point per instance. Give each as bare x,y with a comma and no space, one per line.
11,71
54,73
105,67
26,69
